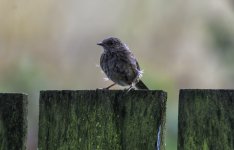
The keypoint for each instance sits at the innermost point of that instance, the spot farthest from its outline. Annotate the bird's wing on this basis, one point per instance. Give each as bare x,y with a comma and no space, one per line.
129,66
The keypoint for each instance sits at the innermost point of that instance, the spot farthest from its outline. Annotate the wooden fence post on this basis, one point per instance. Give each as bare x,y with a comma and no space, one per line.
102,119
13,121
206,120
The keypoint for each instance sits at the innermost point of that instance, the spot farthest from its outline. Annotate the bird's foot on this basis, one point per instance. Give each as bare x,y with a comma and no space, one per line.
130,88
102,89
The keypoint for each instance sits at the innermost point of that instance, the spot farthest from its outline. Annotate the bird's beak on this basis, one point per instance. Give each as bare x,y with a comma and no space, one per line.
100,43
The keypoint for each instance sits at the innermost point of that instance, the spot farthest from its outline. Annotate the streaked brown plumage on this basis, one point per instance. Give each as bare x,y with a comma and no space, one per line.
119,64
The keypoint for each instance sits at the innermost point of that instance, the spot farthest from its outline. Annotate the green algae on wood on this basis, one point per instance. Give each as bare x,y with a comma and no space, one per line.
13,121
102,120
206,120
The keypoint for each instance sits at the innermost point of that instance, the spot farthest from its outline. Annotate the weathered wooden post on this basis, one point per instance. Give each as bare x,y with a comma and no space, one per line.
206,120
102,119
13,121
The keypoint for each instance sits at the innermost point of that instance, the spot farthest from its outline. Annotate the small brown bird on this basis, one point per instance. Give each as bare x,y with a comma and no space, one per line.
120,65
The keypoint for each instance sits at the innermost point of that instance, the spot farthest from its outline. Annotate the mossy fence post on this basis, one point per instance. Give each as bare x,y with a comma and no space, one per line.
102,119
206,120
13,121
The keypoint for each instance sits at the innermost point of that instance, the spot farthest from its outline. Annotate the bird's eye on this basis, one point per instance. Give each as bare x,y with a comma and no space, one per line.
110,43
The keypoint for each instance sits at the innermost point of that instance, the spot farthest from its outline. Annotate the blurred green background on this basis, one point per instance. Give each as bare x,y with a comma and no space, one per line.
51,44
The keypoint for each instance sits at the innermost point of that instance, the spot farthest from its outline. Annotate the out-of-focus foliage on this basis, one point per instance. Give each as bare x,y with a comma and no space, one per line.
52,45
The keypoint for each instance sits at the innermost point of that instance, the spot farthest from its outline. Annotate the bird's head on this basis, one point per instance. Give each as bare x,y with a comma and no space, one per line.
111,44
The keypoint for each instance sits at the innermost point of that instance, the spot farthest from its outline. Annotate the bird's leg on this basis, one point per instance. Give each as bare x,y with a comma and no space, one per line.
107,88
129,89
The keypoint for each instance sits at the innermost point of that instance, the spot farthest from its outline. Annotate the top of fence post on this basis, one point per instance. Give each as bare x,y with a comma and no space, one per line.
206,119
102,119
13,121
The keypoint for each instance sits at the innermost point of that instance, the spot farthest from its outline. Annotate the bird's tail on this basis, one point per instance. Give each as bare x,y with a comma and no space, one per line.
141,85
